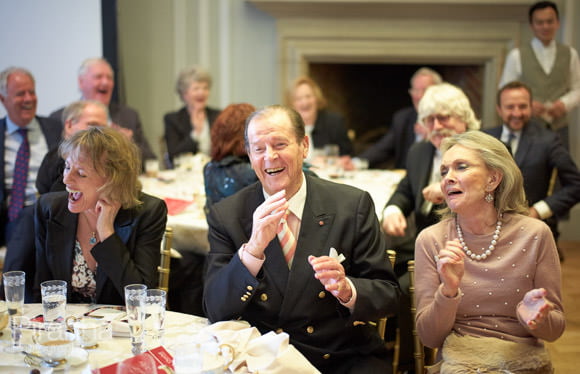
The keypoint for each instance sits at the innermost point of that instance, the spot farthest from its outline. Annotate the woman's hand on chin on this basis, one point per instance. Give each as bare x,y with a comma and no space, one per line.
106,213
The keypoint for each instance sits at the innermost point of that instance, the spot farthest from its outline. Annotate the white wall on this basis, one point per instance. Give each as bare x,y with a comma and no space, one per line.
51,39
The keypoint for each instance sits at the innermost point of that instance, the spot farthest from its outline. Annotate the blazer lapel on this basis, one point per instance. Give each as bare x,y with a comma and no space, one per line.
275,266
524,145
314,230
61,243
123,228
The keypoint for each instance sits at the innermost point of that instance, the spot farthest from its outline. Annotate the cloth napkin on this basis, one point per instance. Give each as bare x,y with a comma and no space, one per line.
176,206
267,354
334,254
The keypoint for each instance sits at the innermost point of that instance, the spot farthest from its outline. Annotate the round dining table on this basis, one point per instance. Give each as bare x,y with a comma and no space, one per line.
113,348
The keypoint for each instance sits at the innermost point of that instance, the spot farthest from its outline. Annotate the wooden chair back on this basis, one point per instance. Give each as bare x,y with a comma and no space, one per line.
164,266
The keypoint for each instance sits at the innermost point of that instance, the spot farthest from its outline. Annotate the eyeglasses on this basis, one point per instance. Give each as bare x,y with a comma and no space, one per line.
441,118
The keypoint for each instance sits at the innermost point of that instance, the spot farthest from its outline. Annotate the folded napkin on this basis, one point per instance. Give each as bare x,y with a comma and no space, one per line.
267,354
176,206
334,254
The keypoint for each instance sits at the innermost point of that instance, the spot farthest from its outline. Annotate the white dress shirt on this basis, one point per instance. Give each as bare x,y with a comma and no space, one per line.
38,149
546,56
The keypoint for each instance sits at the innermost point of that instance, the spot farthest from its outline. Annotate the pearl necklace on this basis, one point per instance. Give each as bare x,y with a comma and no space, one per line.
491,247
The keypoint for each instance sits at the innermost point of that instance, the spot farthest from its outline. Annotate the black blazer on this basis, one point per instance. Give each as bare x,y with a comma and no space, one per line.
130,255
178,131
52,131
396,142
335,215
329,128
49,178
409,196
539,151
127,118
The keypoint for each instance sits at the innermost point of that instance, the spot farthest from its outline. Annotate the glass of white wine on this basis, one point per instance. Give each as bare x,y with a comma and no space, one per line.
14,291
135,296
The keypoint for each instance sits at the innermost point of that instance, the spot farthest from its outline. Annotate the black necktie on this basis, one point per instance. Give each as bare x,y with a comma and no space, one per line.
510,141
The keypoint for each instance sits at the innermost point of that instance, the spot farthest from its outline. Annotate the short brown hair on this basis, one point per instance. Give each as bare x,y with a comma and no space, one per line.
227,131
513,85
114,156
295,120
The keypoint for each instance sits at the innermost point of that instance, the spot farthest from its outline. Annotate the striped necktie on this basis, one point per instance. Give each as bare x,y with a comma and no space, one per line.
18,193
287,240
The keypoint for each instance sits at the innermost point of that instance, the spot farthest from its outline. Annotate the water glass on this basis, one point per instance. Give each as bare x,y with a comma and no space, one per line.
53,300
155,313
14,291
135,296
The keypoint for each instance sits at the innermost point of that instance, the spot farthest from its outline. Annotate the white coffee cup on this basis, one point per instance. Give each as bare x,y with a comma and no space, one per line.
54,345
87,333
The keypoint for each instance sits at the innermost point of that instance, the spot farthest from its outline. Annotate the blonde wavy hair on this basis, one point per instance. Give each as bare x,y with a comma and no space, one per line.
509,196
114,157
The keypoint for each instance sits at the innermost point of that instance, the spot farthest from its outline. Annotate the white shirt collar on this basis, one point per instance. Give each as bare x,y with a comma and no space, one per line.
296,202
506,132
11,127
537,45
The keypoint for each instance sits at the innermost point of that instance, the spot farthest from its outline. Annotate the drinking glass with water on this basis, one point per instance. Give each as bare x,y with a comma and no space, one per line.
14,290
155,314
53,300
135,296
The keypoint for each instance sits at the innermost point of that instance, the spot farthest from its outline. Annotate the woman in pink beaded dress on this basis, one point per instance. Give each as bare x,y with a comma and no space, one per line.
488,276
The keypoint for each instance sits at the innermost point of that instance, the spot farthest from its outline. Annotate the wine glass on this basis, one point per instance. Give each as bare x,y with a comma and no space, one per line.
135,296
14,291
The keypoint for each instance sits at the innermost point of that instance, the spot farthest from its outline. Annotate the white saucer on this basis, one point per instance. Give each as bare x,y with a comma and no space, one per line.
77,357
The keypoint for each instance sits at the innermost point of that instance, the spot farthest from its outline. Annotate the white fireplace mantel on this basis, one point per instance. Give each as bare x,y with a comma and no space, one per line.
397,9
404,31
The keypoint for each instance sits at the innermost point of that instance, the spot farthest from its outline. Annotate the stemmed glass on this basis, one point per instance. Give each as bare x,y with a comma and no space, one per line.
135,296
14,291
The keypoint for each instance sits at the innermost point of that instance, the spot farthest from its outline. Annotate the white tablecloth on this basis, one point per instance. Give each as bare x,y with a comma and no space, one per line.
178,327
269,353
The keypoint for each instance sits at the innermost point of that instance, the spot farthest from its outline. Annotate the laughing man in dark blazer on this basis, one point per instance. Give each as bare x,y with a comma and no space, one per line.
306,293
537,151
96,82
18,95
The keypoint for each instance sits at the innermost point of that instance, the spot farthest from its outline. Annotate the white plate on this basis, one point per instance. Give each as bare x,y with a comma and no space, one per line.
10,369
77,357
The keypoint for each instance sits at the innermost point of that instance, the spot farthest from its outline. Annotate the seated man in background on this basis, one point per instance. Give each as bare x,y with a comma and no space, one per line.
537,152
20,251
96,82
77,116
271,264
404,129
24,140
444,110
